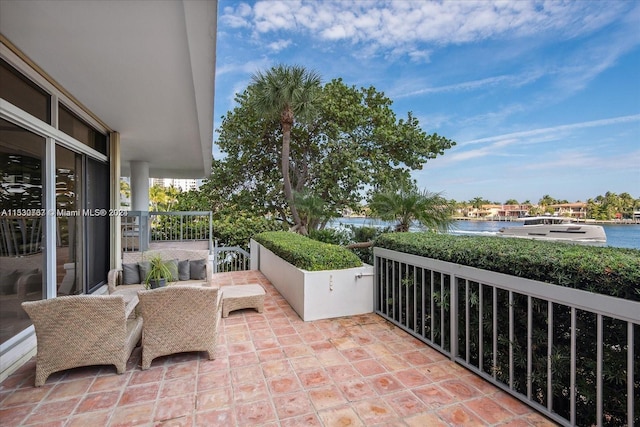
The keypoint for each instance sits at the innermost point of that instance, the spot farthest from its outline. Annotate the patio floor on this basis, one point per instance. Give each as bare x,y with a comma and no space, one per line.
273,369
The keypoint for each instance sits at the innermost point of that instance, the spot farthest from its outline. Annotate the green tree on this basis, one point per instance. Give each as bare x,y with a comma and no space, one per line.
312,210
157,197
545,202
125,193
286,92
626,205
478,202
355,144
511,202
406,203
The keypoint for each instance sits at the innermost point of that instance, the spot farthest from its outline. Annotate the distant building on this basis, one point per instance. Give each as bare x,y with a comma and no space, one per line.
574,210
182,184
498,211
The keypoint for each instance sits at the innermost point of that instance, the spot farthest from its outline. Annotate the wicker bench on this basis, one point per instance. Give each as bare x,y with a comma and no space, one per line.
237,297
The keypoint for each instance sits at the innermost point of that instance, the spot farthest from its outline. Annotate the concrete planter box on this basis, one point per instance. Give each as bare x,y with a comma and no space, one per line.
317,294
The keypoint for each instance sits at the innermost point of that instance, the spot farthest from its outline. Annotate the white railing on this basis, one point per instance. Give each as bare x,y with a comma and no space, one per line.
140,228
230,258
571,354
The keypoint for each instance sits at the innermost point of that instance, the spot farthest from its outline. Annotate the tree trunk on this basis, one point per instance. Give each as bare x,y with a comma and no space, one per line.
287,122
359,245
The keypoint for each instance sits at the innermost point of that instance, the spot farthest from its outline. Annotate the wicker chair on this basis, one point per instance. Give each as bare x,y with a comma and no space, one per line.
82,330
179,319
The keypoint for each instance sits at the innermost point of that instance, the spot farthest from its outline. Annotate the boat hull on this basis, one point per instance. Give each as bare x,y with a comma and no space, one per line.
565,232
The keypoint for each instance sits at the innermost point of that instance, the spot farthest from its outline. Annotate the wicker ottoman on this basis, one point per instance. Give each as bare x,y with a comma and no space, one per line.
242,296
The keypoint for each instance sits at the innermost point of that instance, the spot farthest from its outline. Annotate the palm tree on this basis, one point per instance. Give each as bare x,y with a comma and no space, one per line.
312,210
157,197
286,92
406,204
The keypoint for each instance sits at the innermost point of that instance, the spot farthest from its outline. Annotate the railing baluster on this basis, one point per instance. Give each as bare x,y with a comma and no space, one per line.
572,380
630,374
549,354
480,330
432,305
495,332
442,310
529,345
599,370
511,338
422,307
415,299
467,326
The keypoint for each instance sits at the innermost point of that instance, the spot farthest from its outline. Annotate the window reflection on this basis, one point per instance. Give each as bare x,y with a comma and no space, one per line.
21,225
68,222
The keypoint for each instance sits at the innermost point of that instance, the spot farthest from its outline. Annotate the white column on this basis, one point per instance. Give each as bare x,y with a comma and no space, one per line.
139,186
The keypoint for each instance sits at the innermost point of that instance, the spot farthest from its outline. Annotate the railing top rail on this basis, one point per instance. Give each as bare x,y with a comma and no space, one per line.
182,213
606,305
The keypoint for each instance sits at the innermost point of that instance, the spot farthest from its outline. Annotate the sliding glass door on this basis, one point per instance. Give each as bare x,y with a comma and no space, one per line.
22,216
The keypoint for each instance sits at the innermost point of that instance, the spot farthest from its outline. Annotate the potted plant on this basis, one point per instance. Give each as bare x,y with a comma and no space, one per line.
158,274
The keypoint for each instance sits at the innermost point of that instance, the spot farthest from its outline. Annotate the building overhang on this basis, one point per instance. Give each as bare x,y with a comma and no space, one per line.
145,69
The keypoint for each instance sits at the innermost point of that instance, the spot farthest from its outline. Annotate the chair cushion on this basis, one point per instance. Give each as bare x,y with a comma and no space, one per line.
145,267
198,269
184,272
130,274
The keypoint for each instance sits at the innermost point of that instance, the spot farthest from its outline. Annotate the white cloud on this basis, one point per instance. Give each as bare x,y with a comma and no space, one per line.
517,136
244,68
510,80
580,159
401,24
497,145
279,45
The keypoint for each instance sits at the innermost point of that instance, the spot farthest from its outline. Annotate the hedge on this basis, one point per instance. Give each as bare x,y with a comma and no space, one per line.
305,253
604,270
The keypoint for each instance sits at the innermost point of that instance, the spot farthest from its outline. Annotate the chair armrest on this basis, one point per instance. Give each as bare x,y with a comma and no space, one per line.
114,278
209,272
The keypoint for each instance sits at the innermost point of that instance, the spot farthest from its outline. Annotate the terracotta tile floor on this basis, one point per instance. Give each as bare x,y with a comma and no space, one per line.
273,369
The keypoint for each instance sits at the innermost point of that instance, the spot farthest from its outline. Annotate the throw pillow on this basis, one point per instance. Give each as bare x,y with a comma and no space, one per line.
173,268
131,274
144,267
198,269
184,272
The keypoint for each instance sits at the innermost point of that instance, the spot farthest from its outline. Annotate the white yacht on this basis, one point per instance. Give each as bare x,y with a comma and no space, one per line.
555,228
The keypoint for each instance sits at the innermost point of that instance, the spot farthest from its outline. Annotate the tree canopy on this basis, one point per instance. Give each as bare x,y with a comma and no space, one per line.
353,144
405,204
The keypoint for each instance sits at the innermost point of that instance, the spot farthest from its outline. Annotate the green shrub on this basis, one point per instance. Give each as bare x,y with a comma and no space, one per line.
236,230
605,270
331,235
305,253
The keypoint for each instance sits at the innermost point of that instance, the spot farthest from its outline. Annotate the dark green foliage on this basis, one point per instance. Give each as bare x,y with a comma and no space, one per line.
236,230
611,271
340,237
605,270
306,253
350,234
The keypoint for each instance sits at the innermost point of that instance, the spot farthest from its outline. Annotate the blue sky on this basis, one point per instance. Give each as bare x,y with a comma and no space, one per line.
542,97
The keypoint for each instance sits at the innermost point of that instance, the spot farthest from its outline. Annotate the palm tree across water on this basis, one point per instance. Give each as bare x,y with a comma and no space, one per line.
287,93
407,203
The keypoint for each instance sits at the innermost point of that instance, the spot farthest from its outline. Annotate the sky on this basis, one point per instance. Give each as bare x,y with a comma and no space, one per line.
541,97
